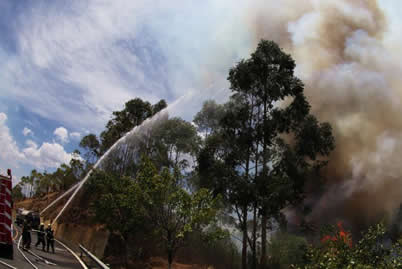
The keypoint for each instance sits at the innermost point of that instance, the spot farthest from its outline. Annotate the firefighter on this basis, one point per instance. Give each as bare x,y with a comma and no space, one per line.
41,236
49,238
26,235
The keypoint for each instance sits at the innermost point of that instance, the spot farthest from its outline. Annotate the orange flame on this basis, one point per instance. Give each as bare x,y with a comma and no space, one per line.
345,236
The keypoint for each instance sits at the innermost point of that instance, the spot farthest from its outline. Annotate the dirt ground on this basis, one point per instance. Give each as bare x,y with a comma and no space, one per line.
36,204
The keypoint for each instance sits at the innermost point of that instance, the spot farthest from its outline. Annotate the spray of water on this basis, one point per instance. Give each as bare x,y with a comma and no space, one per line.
174,108
122,140
60,197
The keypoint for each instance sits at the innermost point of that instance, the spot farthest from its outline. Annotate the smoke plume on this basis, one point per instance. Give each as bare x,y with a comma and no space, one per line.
353,80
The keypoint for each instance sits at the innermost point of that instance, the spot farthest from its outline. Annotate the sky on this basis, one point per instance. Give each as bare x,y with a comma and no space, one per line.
66,65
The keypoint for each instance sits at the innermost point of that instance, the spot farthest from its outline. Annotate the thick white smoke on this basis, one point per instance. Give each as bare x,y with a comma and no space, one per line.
353,80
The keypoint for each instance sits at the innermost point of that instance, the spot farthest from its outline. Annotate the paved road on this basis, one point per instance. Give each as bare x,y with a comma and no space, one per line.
40,259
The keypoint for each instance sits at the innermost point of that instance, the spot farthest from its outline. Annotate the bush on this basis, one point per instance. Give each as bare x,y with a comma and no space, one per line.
286,249
337,251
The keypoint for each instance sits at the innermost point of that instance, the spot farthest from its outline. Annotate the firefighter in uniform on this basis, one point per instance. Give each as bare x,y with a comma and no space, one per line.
41,236
26,235
49,238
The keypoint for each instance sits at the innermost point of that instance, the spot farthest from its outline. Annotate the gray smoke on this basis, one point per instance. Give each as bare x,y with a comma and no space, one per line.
354,82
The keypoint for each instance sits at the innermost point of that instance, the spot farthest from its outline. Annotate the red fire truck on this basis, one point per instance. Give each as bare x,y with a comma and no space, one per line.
6,240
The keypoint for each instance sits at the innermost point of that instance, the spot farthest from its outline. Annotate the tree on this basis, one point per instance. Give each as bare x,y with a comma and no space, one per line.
44,183
266,79
63,177
92,146
337,251
208,118
116,205
266,148
31,181
17,192
77,168
224,164
161,105
172,140
286,249
25,182
134,113
172,211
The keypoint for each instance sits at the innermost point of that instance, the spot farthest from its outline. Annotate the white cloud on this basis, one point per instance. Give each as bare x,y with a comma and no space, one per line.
75,135
48,155
106,53
27,131
9,152
62,134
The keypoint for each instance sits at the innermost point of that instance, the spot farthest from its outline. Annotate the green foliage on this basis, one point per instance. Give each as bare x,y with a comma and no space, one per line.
286,249
208,118
246,157
116,204
124,204
134,113
17,192
172,211
368,253
173,139
29,182
220,253
92,146
39,184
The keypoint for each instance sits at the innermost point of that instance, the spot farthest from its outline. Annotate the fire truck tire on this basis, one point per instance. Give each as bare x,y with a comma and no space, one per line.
6,251
10,252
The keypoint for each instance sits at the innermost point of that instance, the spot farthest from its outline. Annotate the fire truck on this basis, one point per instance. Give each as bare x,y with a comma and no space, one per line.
6,204
29,216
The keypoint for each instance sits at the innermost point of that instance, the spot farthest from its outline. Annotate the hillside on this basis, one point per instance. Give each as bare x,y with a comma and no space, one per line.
78,229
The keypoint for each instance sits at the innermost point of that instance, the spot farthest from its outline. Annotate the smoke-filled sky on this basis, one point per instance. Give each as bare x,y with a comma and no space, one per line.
66,65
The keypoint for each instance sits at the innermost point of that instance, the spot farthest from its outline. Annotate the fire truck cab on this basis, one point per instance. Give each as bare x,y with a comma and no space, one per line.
6,204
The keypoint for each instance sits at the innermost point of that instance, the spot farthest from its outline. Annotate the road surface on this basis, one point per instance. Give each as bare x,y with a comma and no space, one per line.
35,258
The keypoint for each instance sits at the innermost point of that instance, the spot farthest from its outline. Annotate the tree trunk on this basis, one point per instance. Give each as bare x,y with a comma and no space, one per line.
170,259
244,250
123,241
255,215
265,175
170,249
263,261
254,245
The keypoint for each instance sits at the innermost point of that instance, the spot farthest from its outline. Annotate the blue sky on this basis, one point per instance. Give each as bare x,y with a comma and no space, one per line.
66,65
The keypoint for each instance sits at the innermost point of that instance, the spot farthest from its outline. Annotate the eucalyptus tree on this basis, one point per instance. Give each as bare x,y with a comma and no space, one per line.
268,144
135,112
208,118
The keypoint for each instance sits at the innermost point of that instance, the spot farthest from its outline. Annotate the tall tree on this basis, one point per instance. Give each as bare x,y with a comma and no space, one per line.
26,182
92,146
17,192
268,78
225,163
173,139
172,211
208,118
116,205
134,113
268,139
